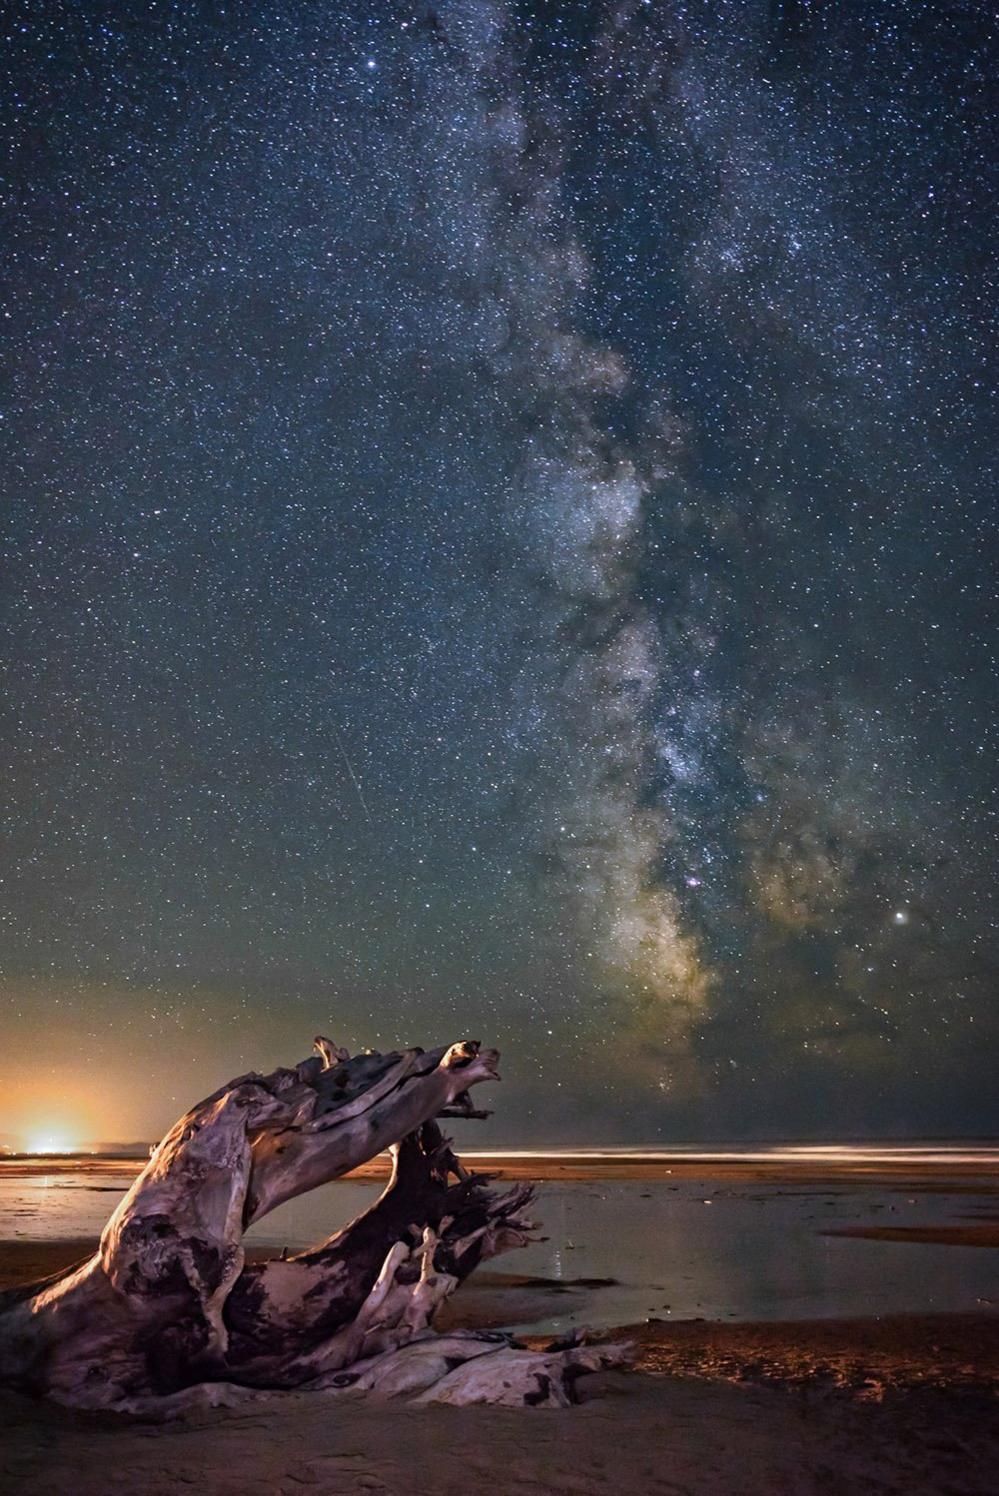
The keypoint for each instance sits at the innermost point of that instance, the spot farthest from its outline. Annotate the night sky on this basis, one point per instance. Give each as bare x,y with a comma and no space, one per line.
496,532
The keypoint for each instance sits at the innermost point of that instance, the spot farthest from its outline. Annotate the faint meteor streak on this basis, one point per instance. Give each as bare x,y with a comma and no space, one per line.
350,770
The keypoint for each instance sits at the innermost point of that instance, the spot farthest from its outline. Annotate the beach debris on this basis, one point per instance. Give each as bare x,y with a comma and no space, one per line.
168,1315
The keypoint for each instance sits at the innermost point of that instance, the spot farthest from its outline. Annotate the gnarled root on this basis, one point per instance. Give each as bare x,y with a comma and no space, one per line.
168,1305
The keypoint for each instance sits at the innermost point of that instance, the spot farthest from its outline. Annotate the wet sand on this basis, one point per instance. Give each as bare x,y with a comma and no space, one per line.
895,1352
984,1235
902,1404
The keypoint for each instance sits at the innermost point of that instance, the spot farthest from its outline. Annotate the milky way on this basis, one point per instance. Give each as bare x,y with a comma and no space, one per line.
496,541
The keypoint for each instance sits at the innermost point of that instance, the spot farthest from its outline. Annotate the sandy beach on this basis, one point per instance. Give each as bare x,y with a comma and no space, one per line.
900,1403
647,1432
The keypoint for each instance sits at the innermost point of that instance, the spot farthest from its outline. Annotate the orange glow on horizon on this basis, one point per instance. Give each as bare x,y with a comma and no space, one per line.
52,1143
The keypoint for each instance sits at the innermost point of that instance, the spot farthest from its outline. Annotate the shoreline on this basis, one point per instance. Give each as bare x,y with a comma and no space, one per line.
942,1350
970,1176
815,1407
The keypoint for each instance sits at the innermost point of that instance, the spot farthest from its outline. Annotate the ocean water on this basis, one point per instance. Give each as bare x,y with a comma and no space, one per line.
676,1250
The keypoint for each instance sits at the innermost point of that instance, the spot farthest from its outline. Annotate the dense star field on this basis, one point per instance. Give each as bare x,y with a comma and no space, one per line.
496,542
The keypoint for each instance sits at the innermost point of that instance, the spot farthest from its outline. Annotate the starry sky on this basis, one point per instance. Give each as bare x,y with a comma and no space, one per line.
496,542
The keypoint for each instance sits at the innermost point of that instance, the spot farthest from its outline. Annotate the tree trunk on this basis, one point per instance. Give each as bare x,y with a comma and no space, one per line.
167,1313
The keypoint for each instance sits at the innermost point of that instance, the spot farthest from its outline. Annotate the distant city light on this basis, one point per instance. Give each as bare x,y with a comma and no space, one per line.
50,1145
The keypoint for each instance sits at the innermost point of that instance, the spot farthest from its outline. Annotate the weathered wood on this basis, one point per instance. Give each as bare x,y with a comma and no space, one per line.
168,1304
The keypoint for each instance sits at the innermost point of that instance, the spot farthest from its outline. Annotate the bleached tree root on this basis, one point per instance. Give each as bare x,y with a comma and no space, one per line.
168,1315
459,1369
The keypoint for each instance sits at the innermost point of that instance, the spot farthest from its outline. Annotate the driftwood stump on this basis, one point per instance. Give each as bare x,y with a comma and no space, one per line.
168,1314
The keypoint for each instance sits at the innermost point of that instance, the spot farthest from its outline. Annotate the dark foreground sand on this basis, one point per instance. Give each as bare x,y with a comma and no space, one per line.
646,1434
902,1405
